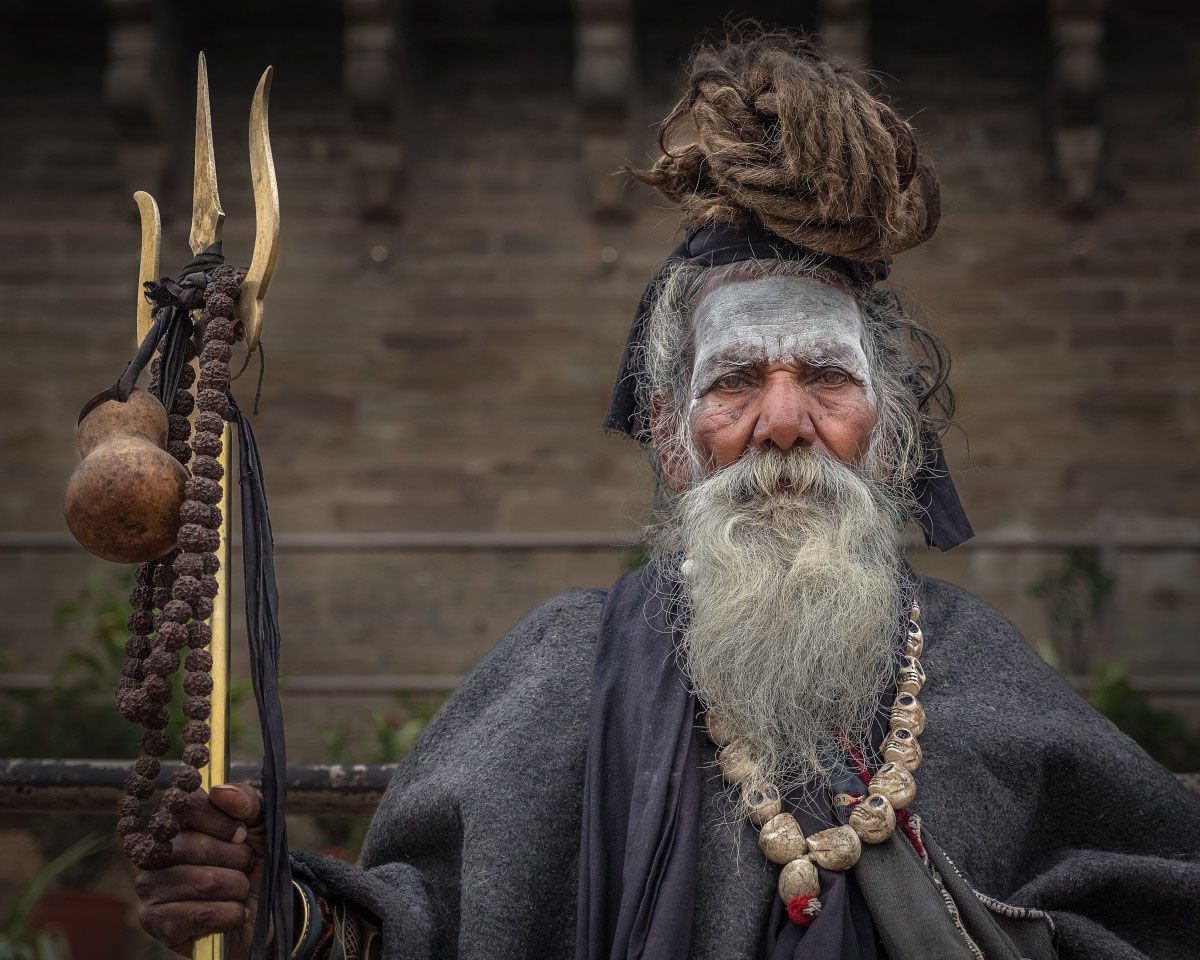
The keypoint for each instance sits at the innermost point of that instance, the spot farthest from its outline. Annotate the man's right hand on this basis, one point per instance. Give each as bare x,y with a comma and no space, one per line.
211,884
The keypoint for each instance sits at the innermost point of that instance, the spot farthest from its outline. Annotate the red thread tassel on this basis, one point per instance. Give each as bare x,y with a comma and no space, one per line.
802,911
902,819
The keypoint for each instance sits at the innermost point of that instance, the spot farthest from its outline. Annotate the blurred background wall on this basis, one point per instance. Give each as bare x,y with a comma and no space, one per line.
458,271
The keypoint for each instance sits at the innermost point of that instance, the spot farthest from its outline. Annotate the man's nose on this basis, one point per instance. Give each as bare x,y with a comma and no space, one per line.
784,417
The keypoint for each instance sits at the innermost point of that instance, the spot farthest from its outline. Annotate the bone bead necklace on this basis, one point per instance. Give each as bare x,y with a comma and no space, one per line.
871,819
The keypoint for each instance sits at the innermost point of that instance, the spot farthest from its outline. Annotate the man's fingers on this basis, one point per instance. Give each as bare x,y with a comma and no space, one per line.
239,800
204,815
202,850
184,883
176,924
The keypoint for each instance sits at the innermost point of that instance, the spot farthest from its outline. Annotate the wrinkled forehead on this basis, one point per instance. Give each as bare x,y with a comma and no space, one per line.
779,318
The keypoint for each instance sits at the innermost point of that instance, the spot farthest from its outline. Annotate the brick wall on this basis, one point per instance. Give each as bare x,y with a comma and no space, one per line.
449,373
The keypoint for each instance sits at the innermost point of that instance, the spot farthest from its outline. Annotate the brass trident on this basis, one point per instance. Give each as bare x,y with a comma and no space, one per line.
207,219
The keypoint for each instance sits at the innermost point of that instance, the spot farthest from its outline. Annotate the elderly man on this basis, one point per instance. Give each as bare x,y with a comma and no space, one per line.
719,756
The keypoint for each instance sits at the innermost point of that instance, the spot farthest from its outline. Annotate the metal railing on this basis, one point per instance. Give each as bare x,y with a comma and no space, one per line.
95,786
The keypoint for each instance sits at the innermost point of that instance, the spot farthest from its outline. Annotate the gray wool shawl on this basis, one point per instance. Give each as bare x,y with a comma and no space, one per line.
1034,801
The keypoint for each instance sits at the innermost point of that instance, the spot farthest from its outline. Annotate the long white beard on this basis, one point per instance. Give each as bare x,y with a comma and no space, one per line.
793,569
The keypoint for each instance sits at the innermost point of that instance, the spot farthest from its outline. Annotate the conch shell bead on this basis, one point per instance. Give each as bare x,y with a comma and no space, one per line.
798,878
914,645
835,849
873,819
911,676
894,782
781,839
718,730
908,712
900,746
735,762
762,801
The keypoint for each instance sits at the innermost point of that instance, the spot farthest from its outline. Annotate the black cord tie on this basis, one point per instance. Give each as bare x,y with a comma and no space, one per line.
174,300
262,631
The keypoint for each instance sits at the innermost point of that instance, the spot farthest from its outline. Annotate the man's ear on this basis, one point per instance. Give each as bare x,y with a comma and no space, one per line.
672,464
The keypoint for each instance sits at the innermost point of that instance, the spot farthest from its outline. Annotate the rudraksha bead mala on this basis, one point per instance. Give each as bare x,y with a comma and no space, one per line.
174,594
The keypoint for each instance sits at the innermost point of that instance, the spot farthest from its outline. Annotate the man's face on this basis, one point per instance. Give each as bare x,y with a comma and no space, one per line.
779,364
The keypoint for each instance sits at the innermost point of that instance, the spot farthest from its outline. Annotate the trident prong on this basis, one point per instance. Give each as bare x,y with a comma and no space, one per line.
207,215
148,266
266,212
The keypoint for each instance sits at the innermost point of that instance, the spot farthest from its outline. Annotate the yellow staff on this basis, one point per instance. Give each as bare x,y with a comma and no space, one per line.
207,220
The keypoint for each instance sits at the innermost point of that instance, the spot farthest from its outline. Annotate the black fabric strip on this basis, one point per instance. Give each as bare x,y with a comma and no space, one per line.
124,387
641,792
262,631
177,327
175,300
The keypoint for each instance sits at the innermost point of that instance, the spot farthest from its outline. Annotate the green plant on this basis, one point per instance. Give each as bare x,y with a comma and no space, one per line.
635,558
1076,596
394,735
1161,733
18,941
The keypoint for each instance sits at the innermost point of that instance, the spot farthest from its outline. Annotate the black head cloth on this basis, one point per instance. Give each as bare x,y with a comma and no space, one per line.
942,516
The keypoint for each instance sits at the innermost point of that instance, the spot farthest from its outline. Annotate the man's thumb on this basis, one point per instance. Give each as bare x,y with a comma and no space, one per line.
239,800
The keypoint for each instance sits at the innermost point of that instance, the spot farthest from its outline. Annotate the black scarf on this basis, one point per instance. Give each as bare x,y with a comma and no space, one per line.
641,801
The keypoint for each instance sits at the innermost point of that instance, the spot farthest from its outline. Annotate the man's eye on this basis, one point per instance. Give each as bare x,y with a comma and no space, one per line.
731,381
832,376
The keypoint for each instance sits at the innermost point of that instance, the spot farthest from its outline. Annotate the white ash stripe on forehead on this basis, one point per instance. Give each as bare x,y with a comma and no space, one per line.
777,320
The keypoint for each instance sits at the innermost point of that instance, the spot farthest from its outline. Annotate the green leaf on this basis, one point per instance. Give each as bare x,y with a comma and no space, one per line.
18,924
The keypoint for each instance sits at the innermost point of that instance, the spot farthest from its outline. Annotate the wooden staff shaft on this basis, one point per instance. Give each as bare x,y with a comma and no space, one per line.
217,771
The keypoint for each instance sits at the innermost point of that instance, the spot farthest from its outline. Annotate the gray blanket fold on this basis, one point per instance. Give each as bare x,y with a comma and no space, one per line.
1037,800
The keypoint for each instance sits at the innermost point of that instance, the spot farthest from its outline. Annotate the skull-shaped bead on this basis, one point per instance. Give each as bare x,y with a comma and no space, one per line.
894,782
718,730
798,878
908,712
841,800
914,645
781,839
835,849
735,762
762,801
900,746
911,676
873,819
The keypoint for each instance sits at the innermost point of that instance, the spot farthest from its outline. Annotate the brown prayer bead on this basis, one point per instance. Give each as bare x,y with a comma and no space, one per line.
195,731
155,743
187,778
139,787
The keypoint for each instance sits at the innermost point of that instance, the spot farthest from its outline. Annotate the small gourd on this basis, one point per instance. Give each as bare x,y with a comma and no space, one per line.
123,499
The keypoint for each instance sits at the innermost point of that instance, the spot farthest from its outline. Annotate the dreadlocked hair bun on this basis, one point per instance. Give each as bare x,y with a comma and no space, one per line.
782,134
